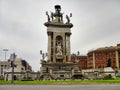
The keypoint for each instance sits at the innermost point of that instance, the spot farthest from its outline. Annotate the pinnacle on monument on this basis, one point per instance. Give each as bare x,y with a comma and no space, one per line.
57,7
56,18
57,15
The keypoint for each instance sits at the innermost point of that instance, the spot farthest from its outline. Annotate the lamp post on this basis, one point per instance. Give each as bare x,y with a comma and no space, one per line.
5,50
12,59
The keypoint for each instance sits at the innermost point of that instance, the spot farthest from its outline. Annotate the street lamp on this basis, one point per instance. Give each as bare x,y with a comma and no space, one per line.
5,50
12,59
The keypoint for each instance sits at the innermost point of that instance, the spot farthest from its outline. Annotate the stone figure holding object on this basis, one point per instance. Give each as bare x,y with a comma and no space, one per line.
59,48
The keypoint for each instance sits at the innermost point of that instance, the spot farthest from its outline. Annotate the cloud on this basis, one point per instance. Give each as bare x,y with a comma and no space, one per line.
96,24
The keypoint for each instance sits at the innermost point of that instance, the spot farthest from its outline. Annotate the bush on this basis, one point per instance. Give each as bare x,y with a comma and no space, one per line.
27,79
108,77
1,77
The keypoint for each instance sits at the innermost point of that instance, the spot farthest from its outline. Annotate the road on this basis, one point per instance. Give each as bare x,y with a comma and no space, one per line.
61,87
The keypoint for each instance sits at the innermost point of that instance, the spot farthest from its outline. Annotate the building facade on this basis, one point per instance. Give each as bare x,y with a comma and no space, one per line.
104,57
21,66
81,60
59,63
99,63
4,66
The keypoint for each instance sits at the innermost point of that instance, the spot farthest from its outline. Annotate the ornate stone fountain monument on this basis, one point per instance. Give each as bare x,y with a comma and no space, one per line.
58,65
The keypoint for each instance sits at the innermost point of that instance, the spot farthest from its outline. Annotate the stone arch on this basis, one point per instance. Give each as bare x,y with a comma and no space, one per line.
59,38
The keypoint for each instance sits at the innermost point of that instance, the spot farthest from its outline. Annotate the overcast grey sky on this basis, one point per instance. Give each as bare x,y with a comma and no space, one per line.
96,24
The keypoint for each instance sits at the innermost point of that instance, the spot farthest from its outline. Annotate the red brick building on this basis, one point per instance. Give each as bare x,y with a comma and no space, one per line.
104,57
81,60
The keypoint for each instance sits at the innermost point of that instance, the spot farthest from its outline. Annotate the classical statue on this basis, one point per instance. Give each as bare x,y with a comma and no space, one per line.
48,16
61,16
59,48
68,18
52,15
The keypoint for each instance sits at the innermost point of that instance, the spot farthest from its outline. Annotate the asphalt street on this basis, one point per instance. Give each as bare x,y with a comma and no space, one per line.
61,87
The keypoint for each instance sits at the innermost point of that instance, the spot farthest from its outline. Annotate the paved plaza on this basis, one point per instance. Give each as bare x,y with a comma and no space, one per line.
61,87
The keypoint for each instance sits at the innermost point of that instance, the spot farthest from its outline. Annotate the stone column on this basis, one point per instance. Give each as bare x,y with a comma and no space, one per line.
49,45
54,47
93,60
117,59
68,50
